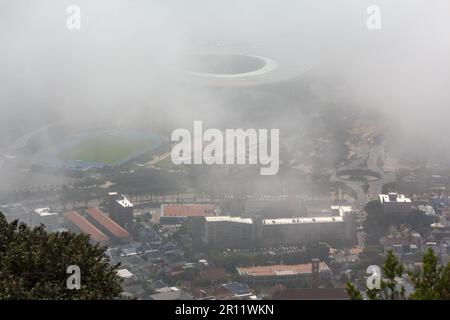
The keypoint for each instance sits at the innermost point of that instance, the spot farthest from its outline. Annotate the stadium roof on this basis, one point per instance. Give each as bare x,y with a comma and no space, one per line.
108,223
85,226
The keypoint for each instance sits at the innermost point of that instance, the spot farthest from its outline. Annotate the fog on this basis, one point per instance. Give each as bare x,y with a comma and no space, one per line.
124,64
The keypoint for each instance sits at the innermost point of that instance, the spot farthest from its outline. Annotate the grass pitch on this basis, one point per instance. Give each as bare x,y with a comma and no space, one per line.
108,149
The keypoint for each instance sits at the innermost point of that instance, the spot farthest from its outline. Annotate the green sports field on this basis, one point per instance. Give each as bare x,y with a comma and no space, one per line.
107,149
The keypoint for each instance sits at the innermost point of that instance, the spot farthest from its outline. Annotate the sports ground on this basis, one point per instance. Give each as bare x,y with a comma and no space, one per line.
107,149
99,149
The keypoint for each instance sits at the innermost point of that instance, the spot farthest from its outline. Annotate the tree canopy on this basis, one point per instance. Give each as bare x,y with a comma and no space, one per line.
431,283
33,265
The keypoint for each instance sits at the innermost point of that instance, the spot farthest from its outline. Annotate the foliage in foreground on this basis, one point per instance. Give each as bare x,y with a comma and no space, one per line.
33,265
431,283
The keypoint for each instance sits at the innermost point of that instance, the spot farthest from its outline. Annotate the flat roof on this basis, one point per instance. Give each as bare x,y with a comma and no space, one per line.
229,219
187,210
281,270
124,202
303,220
124,273
107,222
85,226
397,197
45,212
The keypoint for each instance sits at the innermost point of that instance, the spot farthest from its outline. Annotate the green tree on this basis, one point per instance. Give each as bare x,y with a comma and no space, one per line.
33,265
389,290
353,292
433,282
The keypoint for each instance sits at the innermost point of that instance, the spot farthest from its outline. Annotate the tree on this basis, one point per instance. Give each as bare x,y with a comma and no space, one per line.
432,283
392,269
33,265
353,292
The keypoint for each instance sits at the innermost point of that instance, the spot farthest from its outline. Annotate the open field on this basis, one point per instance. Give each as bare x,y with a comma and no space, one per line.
107,149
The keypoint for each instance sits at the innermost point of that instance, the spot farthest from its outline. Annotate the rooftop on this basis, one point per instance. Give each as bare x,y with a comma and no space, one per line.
124,202
303,220
172,295
229,219
85,226
187,210
108,223
124,273
393,197
238,289
281,269
43,212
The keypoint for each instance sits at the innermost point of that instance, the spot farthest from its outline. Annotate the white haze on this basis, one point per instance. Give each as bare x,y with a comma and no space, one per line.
120,64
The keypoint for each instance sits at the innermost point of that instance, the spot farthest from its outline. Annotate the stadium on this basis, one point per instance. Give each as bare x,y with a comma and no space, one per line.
228,66
98,149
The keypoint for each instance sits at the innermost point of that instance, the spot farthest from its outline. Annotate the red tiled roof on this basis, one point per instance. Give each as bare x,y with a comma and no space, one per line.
213,274
187,210
355,251
281,269
85,226
108,223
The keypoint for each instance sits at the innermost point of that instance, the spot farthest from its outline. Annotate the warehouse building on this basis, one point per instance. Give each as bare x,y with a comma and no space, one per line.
104,223
76,222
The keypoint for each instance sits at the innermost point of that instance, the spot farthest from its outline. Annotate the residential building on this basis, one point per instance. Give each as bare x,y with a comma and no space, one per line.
174,294
120,208
236,232
395,203
46,217
228,232
178,213
271,275
233,291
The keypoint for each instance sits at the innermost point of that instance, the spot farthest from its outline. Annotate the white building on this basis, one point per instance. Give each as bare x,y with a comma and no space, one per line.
235,232
47,217
395,203
120,208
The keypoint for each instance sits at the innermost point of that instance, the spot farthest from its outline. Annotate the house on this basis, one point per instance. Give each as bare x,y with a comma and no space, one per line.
135,291
233,290
214,274
177,294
